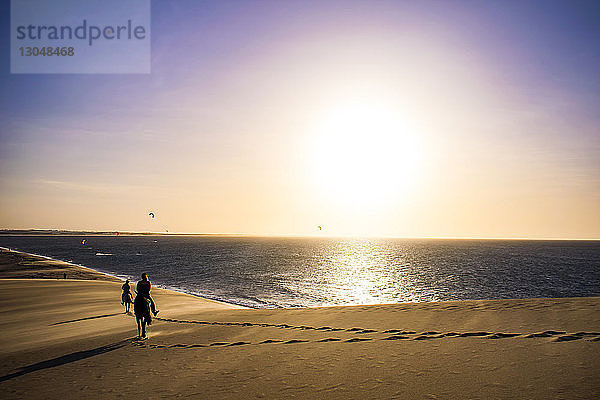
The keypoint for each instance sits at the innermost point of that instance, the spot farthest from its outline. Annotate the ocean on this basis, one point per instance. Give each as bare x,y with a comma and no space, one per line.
262,272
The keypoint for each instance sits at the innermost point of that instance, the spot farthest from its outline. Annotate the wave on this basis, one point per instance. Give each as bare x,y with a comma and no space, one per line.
104,254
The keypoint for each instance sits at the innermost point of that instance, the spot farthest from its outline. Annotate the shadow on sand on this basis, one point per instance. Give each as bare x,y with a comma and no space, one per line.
66,359
86,318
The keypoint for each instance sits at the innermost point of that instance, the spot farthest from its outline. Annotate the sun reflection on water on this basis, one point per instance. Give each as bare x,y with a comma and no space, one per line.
356,272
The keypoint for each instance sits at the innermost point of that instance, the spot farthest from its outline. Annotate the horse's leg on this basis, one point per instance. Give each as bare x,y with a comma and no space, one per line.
139,328
143,327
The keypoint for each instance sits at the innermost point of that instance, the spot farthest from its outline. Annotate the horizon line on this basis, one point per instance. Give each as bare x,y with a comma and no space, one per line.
76,232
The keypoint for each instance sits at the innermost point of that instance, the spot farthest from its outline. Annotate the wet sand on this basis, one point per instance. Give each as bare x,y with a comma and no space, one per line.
70,339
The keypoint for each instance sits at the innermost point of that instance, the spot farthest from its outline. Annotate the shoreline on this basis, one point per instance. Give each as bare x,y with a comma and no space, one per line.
91,270
89,273
39,259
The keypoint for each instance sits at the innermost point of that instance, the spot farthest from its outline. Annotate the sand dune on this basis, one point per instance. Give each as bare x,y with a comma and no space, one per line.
71,339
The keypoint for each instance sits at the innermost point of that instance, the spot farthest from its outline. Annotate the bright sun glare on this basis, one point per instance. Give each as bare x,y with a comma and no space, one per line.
364,156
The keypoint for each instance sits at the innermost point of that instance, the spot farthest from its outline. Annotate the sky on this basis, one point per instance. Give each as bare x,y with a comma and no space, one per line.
402,119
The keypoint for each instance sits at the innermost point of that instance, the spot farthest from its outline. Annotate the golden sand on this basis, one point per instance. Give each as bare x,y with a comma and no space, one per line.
70,339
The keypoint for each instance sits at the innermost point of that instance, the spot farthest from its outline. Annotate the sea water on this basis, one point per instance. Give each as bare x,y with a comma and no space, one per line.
298,272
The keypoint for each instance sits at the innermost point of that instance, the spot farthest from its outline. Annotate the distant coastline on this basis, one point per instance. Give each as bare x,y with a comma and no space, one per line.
57,232
65,232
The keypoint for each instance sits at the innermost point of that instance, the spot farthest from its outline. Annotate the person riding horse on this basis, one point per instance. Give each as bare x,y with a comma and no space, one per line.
126,287
142,305
143,289
126,297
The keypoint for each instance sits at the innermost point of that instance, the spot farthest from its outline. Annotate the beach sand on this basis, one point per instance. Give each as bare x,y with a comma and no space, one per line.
70,339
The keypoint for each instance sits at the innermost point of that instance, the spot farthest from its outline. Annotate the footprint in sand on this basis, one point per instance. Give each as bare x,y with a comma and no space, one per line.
304,327
400,331
426,337
396,337
588,333
468,334
502,335
271,341
545,334
329,340
357,339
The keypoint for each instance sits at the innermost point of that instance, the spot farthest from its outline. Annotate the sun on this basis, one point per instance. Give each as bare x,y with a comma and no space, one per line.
364,155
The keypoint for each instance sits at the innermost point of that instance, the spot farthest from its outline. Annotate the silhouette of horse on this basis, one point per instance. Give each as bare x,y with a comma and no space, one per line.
141,308
126,300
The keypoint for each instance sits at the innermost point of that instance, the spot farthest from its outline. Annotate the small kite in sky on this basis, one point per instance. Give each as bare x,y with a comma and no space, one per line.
157,221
